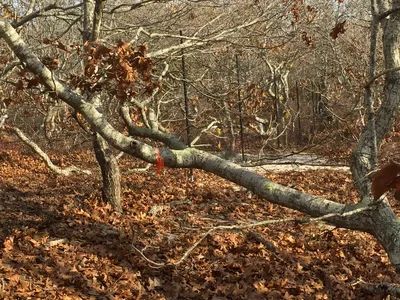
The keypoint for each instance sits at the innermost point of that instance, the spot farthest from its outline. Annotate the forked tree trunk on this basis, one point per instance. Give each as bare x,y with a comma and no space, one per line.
111,189
376,129
385,224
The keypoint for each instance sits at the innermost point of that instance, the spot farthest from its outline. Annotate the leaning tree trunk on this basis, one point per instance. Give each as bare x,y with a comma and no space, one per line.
111,189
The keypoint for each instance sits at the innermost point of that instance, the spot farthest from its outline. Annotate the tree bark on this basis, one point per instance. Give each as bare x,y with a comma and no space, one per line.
111,190
362,160
97,19
110,172
88,13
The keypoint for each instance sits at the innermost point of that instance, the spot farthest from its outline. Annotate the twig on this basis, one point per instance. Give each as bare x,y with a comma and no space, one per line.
138,170
152,263
371,81
246,226
39,12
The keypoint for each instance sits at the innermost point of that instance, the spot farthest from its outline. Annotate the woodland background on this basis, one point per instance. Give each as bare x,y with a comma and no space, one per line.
261,79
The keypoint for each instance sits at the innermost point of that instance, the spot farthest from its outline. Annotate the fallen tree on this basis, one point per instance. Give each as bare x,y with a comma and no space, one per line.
380,221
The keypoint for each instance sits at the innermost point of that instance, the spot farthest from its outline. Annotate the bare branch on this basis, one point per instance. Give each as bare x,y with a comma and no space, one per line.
125,7
387,13
39,12
371,81
170,140
9,68
138,170
211,125
217,37
55,169
247,226
3,118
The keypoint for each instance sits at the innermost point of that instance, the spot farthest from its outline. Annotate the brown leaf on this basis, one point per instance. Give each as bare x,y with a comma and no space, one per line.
142,49
339,28
8,243
63,47
153,283
14,280
33,82
19,86
385,179
47,41
101,50
8,13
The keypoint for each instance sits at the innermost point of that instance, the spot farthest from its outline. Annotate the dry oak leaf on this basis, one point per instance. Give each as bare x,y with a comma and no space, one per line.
338,29
385,179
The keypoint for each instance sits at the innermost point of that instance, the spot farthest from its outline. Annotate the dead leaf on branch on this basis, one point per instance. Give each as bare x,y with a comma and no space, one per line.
385,179
100,51
338,29
61,46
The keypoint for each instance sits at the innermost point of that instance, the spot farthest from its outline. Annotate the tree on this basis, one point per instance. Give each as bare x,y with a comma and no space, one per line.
378,218
111,190
92,20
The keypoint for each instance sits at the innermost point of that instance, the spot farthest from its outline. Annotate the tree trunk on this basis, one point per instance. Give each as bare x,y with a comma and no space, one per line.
363,156
385,223
88,16
229,143
111,189
110,173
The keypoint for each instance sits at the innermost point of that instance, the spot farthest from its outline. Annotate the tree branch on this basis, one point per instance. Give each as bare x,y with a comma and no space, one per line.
371,81
35,14
55,169
387,13
247,226
194,41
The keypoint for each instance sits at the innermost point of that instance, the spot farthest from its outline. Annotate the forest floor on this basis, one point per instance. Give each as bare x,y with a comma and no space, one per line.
59,241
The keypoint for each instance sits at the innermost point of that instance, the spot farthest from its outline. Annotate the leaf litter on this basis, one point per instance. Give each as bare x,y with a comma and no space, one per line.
59,241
